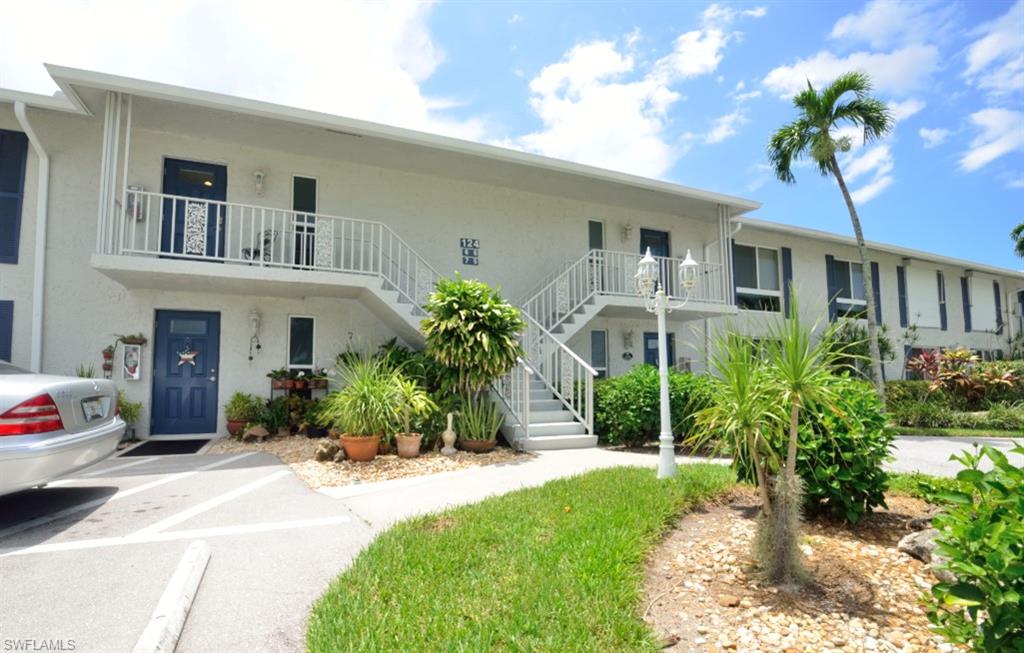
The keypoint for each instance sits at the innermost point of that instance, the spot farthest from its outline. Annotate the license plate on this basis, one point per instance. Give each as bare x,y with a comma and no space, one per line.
93,408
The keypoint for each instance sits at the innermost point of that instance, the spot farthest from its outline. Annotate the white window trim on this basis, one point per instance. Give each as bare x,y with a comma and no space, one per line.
604,233
288,345
316,197
852,301
763,292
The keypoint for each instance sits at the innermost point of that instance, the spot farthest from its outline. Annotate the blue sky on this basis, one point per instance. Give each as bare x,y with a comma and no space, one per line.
684,91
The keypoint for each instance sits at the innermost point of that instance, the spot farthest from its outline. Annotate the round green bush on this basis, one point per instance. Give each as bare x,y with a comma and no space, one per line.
627,407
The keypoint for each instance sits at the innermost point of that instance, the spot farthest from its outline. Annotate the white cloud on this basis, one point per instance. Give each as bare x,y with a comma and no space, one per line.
878,159
725,126
897,73
1002,132
599,88
995,61
883,23
515,19
1015,182
724,15
867,193
903,110
740,95
933,137
334,63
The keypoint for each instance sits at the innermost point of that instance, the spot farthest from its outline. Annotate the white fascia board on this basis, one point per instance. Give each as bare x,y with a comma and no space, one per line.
903,252
37,101
66,78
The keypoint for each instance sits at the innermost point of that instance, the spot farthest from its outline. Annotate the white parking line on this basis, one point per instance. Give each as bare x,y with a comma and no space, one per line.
209,504
44,519
101,472
217,531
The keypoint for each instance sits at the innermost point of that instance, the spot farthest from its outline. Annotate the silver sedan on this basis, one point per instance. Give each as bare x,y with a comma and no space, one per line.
51,426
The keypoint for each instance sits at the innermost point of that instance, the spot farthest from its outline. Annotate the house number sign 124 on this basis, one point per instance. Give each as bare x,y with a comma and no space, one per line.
470,251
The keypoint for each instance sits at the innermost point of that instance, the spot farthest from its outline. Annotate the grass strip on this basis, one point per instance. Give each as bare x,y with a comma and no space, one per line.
956,433
558,567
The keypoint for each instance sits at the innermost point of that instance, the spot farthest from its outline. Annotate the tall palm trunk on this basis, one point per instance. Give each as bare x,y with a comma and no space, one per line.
762,478
794,434
869,295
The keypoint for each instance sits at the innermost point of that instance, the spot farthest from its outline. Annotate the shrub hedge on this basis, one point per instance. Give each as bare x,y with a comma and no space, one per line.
626,408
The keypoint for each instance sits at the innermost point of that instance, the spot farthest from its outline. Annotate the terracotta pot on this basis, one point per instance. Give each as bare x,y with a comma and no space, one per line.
235,426
300,385
409,444
277,384
360,448
384,448
479,446
289,383
315,384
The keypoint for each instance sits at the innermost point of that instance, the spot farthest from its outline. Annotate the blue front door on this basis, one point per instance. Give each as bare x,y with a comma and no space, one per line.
658,242
191,228
186,355
651,348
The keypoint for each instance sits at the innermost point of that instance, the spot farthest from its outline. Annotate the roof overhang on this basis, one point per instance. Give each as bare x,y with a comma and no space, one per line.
50,102
80,88
902,252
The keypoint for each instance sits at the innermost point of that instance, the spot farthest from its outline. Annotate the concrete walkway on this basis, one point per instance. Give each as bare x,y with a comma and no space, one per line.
384,503
930,454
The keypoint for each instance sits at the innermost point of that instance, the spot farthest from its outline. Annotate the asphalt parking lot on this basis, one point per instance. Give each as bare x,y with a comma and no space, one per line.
84,561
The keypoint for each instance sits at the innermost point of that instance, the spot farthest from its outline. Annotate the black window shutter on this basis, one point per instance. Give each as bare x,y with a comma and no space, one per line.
787,277
13,151
830,280
965,292
735,295
6,328
999,307
901,291
876,291
941,280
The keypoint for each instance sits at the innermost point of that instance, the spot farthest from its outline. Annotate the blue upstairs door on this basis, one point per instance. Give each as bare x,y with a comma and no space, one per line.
189,228
658,242
186,362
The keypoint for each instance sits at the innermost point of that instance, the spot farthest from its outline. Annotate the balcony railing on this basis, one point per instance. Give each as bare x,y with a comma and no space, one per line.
605,272
188,228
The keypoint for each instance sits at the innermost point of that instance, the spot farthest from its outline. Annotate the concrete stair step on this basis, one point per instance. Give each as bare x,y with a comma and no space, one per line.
540,395
548,416
556,428
540,405
551,442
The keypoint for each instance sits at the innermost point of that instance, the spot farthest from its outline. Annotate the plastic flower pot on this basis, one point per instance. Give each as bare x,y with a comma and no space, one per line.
360,448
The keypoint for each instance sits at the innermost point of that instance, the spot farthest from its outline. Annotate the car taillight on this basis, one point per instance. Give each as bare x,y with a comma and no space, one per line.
36,415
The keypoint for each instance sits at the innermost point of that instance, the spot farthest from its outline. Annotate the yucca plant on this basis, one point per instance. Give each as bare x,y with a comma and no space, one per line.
472,331
415,402
479,419
744,412
369,400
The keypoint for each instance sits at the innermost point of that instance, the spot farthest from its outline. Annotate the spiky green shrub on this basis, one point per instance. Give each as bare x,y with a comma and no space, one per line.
369,401
473,331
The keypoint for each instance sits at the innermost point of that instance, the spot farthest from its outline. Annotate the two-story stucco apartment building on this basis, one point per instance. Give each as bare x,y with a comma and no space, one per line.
240,236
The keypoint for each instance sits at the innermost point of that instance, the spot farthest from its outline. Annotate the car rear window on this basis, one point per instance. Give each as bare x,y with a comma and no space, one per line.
7,368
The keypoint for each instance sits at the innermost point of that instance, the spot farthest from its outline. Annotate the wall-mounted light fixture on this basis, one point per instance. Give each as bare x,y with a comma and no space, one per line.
254,334
627,339
259,176
627,231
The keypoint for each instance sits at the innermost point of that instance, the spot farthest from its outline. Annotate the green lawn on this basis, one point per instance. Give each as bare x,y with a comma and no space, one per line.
924,486
553,568
969,433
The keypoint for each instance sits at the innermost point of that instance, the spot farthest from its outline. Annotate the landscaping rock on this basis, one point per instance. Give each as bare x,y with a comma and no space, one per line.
727,600
924,521
255,433
340,456
920,544
944,575
327,450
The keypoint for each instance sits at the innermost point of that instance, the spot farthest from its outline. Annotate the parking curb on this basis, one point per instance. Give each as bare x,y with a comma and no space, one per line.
168,619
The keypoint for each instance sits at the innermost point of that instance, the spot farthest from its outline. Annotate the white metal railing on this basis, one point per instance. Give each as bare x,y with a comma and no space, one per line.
567,376
173,226
606,272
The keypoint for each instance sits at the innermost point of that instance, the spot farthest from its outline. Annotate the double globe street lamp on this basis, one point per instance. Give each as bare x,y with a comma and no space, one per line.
650,288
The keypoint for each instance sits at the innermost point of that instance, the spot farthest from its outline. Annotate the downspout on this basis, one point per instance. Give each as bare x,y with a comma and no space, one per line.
42,212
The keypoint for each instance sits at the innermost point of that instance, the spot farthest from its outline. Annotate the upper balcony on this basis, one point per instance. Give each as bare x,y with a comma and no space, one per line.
603,282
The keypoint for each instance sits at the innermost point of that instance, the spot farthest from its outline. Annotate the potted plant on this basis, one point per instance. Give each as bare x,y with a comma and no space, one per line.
132,339
129,412
479,421
277,378
299,381
318,379
240,410
365,407
276,417
415,403
311,422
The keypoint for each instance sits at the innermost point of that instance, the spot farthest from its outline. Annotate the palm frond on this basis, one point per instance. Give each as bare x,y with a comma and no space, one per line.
855,82
872,115
788,144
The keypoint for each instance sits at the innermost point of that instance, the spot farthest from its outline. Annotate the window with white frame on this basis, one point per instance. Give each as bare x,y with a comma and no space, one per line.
849,288
301,338
599,352
923,296
757,277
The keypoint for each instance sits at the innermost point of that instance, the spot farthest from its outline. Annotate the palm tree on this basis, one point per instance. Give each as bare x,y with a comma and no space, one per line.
800,364
811,134
1018,239
744,411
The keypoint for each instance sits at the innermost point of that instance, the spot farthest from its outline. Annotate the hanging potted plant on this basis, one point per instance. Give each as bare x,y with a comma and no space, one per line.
366,406
479,421
415,403
132,339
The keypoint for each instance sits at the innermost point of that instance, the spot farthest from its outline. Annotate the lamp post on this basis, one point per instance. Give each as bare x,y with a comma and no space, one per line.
652,291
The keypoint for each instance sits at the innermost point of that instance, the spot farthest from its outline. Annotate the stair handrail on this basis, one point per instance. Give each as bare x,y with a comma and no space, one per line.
564,373
548,308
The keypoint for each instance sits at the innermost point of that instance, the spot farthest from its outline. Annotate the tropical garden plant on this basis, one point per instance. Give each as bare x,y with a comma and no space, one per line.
369,401
815,134
473,332
1017,235
479,419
